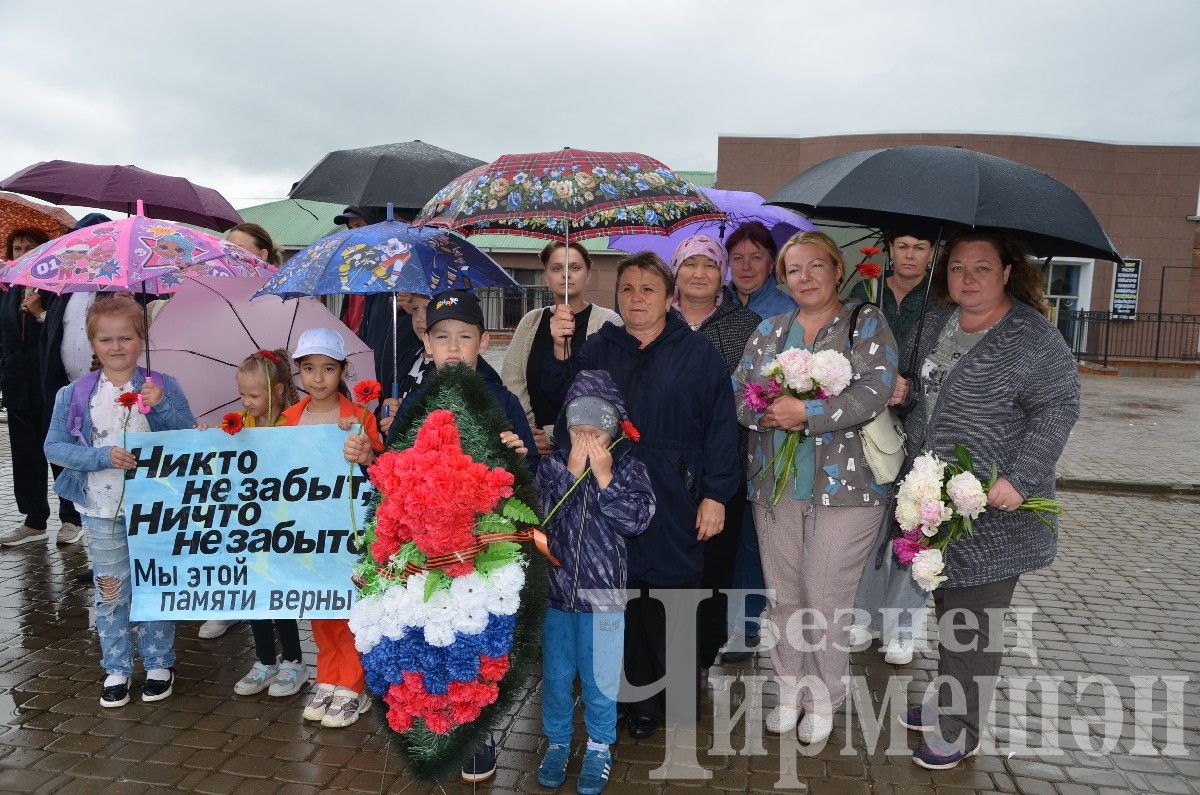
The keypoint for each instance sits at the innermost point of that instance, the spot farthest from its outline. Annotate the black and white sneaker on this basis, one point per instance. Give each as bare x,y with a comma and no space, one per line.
158,689
115,695
482,765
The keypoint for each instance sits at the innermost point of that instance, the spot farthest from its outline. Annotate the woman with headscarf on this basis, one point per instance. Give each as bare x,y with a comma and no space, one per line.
701,269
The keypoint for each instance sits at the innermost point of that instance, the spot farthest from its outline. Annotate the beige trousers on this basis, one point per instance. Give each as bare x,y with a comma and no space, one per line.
812,557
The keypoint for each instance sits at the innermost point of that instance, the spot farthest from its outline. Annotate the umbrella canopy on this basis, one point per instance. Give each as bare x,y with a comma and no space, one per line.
881,186
405,174
135,253
737,206
17,212
206,363
120,187
388,257
571,193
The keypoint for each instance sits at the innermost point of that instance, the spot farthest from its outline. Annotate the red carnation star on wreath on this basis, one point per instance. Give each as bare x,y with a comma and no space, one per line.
232,423
433,494
127,399
366,391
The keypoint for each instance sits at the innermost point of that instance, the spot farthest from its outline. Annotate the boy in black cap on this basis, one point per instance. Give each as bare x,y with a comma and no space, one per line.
455,334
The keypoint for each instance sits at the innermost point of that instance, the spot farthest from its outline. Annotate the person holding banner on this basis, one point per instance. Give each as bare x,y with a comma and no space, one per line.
91,417
340,695
266,388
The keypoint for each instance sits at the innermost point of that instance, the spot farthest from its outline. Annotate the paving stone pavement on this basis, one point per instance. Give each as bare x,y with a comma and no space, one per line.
1111,607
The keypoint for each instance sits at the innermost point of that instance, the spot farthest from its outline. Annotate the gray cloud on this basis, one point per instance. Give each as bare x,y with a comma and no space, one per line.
247,96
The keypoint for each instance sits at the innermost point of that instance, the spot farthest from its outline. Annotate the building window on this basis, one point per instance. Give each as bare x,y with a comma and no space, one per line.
1068,289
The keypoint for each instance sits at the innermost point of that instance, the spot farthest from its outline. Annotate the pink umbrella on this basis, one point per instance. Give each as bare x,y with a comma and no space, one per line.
209,326
133,254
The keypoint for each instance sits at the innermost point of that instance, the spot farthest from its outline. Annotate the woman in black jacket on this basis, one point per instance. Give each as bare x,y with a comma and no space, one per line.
678,395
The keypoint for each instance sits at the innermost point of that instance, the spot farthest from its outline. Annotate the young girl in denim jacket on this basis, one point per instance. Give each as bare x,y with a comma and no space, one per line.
91,417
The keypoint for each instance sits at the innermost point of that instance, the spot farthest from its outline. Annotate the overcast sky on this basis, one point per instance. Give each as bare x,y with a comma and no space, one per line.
246,96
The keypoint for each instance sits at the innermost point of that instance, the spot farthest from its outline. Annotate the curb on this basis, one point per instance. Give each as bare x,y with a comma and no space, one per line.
1129,487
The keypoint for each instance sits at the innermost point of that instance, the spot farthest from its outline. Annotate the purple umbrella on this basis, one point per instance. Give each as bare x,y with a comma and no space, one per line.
739,207
119,188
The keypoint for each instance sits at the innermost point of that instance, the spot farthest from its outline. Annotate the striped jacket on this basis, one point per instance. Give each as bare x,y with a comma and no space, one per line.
1011,400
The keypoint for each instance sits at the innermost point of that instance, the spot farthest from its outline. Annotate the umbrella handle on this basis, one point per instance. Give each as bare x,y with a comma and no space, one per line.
141,404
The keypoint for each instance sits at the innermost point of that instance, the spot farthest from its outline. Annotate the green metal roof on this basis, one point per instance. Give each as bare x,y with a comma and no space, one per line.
703,179
292,223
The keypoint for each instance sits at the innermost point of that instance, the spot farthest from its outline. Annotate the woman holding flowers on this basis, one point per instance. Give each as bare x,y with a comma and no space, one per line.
998,381
806,385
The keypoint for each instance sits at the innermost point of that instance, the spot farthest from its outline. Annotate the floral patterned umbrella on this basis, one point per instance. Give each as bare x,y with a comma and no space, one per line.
569,194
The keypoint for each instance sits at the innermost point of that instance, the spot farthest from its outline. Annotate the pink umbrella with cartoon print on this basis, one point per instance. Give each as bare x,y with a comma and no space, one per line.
135,254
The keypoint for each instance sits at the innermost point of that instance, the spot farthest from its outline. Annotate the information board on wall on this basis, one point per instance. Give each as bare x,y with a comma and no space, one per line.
1126,281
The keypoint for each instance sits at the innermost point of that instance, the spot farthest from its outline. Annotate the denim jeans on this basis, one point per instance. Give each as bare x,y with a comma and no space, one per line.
109,549
590,645
748,574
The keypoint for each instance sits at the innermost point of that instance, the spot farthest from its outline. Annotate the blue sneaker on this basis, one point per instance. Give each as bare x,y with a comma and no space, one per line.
553,771
915,720
594,776
934,755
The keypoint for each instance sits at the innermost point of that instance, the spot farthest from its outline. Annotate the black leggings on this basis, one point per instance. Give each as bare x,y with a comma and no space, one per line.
264,639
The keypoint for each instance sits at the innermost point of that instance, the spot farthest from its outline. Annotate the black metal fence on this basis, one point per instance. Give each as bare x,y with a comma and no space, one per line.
503,308
1100,336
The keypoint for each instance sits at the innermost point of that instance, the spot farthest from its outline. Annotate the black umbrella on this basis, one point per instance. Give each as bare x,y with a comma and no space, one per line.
878,187
403,174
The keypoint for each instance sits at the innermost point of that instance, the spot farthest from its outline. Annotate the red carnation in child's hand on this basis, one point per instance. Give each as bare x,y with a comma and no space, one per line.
631,432
270,356
128,399
366,391
869,270
869,251
232,423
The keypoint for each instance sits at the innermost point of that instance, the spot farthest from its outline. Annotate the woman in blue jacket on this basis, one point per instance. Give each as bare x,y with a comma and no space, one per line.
678,394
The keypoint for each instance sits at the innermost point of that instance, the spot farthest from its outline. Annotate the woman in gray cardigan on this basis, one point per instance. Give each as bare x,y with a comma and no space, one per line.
815,540
531,343
996,377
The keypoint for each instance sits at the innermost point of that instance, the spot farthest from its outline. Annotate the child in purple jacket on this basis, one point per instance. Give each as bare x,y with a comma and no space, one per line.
585,621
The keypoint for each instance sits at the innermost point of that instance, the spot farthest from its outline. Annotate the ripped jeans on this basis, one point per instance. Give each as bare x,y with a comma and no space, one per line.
110,564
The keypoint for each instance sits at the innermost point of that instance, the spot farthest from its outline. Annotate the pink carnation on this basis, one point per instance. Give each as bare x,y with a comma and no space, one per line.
907,546
756,396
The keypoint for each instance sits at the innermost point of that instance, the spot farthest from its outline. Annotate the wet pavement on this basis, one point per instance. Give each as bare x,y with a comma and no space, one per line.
1120,605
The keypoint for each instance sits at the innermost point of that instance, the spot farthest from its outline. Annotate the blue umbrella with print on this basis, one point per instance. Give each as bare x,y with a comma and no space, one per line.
387,257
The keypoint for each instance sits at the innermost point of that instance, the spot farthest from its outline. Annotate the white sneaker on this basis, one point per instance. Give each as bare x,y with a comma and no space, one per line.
22,534
860,635
316,709
814,729
782,719
214,629
898,652
71,533
345,708
289,680
259,678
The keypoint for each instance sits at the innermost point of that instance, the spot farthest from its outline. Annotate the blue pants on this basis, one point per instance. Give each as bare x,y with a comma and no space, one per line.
748,573
109,548
592,646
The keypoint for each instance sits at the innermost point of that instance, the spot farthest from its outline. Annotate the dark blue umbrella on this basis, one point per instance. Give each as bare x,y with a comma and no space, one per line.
388,257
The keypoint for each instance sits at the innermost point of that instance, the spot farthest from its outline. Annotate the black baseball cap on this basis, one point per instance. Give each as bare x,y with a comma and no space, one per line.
454,305
346,215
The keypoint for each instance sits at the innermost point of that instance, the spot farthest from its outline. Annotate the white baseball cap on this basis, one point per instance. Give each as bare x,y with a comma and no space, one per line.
324,341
